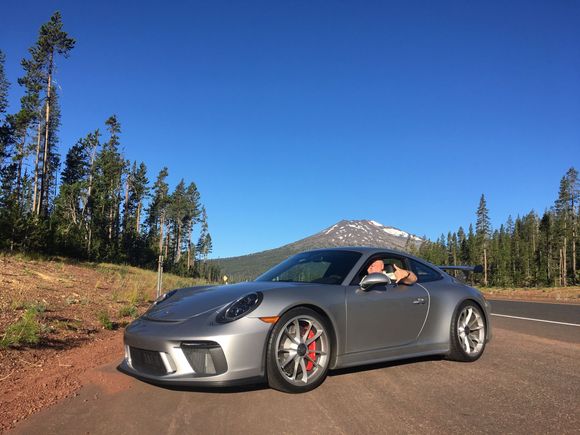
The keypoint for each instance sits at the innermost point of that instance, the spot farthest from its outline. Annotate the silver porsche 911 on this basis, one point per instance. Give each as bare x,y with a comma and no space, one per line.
314,312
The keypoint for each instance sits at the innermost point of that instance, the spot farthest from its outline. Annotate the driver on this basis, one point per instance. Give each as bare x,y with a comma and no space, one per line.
399,275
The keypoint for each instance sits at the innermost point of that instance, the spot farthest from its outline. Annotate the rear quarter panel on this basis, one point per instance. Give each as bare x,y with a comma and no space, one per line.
445,296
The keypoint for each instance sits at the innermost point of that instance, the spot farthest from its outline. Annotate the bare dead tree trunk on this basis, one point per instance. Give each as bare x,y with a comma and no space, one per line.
189,247
178,248
574,223
44,179
125,215
485,267
86,203
166,243
160,260
19,176
561,269
110,233
138,218
574,255
564,263
36,168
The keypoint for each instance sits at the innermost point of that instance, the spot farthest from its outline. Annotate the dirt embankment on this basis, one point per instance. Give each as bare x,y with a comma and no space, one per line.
567,295
57,320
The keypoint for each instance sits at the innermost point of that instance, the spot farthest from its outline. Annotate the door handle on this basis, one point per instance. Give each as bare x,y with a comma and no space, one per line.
419,301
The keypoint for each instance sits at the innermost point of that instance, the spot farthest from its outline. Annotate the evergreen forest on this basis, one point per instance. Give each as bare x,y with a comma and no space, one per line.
96,205
530,251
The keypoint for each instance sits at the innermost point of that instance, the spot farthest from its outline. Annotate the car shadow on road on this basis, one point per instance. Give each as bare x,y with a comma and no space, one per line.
249,385
384,365
258,384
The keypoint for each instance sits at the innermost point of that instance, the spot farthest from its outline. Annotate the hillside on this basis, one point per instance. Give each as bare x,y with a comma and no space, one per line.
343,233
58,318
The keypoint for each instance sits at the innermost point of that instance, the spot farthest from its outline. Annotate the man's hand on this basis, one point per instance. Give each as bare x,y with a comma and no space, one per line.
404,276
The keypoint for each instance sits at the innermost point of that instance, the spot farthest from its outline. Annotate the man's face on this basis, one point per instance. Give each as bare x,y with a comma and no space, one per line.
376,267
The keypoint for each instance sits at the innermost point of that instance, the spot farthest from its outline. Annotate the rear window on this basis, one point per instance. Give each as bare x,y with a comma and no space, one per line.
425,273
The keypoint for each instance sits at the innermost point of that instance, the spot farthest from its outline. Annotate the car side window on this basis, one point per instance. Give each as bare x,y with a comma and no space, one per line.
425,273
400,262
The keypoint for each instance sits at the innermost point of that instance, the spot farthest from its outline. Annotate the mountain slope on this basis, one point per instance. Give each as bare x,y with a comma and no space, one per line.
343,233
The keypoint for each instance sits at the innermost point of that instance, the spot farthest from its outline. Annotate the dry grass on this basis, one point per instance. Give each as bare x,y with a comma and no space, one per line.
75,293
548,294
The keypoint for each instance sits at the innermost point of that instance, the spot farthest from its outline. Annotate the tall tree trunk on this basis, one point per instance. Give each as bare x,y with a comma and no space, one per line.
177,244
110,234
126,213
138,218
36,168
44,180
19,176
564,263
189,247
560,274
166,243
485,267
88,222
160,260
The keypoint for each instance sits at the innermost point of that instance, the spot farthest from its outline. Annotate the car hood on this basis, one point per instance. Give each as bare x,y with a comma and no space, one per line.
194,301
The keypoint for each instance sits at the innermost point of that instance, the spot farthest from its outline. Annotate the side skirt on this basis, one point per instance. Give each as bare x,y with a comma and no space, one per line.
390,354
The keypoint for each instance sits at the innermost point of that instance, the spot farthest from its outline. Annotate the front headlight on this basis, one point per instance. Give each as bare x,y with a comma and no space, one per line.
240,307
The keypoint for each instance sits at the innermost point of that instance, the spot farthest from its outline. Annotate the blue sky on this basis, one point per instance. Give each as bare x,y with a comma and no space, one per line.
293,115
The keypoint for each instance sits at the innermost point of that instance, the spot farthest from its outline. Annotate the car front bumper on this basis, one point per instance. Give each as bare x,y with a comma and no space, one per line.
196,352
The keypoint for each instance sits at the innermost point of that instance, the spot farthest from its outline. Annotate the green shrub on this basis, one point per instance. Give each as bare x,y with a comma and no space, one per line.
128,311
24,331
105,321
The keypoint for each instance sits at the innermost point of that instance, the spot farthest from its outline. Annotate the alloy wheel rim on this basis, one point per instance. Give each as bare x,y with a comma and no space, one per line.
471,331
302,350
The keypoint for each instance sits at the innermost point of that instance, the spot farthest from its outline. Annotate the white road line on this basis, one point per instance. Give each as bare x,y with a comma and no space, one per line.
536,320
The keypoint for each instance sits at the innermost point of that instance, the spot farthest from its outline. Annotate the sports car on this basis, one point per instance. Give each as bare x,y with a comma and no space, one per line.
314,312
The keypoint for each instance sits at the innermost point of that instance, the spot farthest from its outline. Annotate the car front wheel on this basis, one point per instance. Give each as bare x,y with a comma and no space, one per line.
468,332
298,351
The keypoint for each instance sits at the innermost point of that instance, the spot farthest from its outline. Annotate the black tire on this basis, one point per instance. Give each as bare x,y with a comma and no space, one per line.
313,358
474,339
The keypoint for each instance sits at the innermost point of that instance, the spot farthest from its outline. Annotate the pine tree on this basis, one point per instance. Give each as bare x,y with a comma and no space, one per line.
483,231
136,190
566,211
109,167
52,41
4,85
5,129
191,218
204,244
156,218
68,216
176,214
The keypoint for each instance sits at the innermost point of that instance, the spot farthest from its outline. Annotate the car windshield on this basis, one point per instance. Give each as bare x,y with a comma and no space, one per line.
321,267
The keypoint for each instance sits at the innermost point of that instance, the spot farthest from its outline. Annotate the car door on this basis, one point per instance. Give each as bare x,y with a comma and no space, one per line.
385,316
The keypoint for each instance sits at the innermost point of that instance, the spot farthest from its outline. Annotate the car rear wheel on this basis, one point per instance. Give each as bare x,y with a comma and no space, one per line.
298,351
468,332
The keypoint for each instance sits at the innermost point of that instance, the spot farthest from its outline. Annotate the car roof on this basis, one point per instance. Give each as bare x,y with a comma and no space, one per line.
368,250
361,249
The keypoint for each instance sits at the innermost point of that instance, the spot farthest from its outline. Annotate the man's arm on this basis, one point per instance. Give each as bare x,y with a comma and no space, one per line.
404,276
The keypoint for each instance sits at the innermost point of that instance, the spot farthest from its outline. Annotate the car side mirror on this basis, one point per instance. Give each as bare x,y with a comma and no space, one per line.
374,279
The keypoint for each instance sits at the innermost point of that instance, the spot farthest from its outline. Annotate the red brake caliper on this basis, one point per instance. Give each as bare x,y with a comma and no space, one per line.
312,355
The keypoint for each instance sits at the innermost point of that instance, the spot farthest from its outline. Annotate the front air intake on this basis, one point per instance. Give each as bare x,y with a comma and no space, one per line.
147,361
206,358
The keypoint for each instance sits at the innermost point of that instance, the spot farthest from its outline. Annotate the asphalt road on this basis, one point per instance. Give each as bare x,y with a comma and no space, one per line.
527,381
